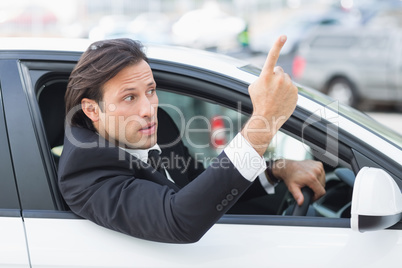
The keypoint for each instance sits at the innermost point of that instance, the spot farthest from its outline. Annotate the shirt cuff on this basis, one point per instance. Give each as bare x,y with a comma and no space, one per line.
268,187
245,158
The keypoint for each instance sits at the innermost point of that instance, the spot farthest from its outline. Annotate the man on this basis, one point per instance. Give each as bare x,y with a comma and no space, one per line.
111,106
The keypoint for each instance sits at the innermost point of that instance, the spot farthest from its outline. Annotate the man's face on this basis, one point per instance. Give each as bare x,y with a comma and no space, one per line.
129,108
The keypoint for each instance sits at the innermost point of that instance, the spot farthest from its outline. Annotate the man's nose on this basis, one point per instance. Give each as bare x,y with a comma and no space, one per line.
146,108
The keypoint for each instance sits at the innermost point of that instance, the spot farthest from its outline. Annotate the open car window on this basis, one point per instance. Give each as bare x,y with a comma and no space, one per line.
207,127
208,120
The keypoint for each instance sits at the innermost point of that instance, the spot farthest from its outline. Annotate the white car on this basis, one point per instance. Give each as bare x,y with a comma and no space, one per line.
356,224
357,66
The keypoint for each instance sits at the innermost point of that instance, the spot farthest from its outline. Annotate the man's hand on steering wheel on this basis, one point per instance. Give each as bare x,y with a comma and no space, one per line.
298,174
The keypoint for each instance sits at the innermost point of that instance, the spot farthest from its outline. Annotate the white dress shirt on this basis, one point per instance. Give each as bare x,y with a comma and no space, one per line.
248,162
142,154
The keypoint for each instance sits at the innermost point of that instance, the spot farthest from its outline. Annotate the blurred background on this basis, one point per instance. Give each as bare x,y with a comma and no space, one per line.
349,49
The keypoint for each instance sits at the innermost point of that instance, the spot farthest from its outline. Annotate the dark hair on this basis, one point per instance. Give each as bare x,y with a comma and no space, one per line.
99,63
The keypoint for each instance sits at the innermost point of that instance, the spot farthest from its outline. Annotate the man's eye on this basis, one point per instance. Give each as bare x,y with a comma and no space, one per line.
129,98
151,91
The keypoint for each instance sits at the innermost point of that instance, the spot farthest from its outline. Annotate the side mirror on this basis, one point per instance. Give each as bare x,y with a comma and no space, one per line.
376,201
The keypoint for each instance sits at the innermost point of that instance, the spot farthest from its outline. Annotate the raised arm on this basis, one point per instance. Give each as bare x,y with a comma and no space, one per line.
274,99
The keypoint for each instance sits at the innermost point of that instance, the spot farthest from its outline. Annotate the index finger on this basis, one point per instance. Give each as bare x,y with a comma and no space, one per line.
273,55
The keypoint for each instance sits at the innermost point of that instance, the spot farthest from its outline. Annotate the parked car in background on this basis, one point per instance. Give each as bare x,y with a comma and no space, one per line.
362,160
296,27
355,66
379,13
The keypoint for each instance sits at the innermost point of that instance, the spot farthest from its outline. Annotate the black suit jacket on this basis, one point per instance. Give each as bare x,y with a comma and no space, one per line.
108,186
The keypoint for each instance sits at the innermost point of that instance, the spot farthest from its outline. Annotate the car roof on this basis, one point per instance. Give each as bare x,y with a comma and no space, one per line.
200,59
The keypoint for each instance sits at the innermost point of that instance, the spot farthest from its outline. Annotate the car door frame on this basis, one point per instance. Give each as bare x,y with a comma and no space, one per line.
12,232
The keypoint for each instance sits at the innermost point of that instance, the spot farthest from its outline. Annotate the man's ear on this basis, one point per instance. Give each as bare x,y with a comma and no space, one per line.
91,109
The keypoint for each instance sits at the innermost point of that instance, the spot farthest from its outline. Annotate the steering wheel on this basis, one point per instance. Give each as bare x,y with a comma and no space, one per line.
308,198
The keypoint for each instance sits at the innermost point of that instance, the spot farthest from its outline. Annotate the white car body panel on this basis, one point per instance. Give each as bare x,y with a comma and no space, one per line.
80,243
13,246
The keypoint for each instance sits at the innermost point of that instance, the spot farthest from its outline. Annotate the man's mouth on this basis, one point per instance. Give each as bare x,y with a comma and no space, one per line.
149,129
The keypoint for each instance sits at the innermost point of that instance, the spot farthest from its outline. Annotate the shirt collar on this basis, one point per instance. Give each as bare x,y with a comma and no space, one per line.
142,154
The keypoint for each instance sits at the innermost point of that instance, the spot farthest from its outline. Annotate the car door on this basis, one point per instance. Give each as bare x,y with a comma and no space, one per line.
58,238
13,245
